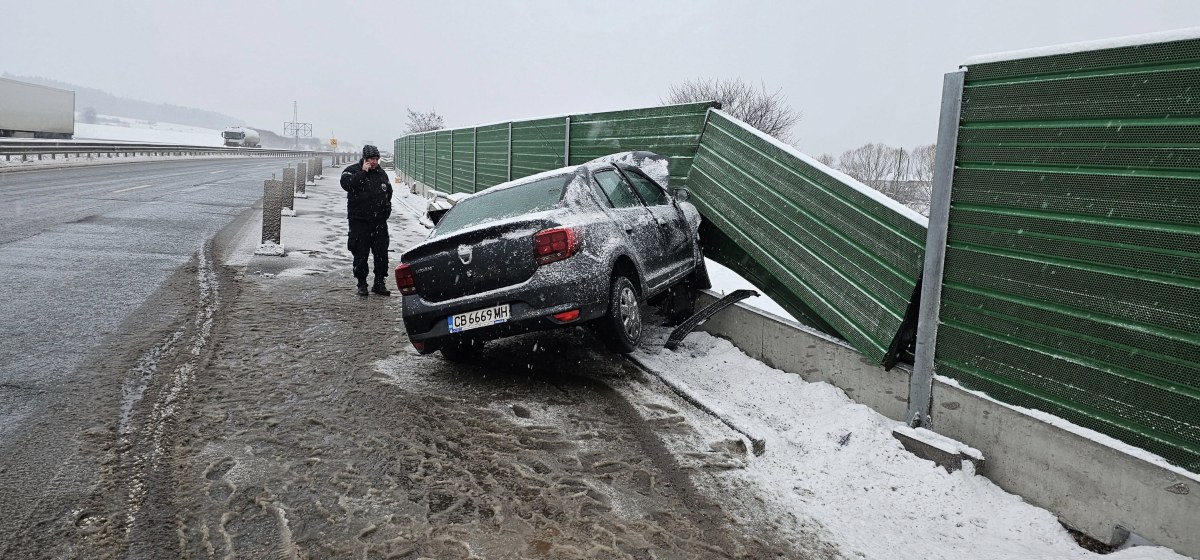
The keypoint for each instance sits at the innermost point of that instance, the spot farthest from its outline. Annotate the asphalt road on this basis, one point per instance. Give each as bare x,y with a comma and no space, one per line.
158,402
82,247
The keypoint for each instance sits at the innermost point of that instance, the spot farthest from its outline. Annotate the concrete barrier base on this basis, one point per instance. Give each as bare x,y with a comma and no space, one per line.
1101,487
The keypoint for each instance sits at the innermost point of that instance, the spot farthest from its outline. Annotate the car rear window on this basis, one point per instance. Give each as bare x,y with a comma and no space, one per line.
542,194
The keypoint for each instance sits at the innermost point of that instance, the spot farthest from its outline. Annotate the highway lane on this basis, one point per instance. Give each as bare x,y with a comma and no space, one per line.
81,248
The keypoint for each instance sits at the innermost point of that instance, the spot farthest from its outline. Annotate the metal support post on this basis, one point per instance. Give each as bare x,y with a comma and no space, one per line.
273,196
289,187
920,387
509,151
567,144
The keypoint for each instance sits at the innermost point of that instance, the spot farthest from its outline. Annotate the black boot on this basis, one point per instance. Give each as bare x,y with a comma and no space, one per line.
380,287
362,287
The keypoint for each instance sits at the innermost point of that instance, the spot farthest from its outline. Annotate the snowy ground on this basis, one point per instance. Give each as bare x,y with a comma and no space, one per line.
120,129
834,461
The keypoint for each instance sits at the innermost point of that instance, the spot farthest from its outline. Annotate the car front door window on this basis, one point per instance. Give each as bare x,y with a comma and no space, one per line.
637,221
677,249
617,190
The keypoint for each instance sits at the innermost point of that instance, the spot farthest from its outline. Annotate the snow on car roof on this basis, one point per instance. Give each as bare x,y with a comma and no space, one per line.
655,166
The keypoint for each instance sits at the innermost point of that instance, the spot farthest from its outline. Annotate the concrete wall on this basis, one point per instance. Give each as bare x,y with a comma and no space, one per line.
1092,487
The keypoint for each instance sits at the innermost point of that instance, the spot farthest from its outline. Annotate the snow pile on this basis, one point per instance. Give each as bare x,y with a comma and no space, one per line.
837,462
270,249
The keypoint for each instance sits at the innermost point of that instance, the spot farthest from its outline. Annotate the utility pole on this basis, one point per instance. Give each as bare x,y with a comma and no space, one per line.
296,129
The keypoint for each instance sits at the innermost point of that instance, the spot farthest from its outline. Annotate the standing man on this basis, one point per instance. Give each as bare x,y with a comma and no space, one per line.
368,206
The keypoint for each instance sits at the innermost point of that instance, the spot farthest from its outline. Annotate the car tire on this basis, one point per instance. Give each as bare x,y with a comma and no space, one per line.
621,327
460,351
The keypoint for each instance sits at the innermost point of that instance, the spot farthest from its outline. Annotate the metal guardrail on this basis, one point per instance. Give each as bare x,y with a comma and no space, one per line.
26,150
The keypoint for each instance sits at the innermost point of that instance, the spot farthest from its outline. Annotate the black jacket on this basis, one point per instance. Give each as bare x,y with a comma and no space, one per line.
368,194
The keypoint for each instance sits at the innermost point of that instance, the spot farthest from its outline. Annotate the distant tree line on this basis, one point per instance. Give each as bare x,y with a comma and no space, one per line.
903,175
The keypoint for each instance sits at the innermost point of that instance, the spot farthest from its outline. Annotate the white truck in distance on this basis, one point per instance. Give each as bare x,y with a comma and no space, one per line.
241,137
35,111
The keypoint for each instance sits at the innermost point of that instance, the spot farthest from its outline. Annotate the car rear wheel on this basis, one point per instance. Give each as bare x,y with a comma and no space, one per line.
463,350
621,327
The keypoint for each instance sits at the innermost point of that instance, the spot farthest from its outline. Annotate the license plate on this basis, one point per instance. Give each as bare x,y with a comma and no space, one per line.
478,318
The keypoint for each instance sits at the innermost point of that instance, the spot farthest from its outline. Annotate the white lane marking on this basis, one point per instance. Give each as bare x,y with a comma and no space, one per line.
131,188
218,171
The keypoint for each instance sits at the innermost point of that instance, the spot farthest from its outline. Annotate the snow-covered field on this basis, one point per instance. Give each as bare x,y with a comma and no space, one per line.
121,129
137,130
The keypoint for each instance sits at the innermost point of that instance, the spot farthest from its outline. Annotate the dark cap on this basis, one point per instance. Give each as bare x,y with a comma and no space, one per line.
370,151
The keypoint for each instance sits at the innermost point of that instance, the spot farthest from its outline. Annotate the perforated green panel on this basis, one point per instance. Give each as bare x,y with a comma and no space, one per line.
1072,279
427,158
464,160
445,160
835,253
540,145
491,155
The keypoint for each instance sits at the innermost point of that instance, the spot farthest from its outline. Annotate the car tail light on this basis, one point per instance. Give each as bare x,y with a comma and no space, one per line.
554,244
567,316
405,280
420,346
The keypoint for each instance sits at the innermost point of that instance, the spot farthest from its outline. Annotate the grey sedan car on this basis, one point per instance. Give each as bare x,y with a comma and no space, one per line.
586,244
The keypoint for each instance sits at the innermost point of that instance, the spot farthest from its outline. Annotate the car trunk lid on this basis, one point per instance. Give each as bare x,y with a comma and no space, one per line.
476,260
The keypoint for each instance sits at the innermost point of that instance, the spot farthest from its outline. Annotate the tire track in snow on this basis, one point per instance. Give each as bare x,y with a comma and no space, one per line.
148,442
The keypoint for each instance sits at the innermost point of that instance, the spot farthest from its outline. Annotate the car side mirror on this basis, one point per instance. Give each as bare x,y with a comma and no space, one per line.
682,194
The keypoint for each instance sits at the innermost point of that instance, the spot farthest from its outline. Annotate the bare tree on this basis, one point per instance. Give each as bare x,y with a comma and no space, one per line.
903,176
423,122
870,163
922,158
828,160
764,110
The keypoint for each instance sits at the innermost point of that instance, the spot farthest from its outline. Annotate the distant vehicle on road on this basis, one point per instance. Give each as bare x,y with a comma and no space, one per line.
241,137
35,111
386,161
581,244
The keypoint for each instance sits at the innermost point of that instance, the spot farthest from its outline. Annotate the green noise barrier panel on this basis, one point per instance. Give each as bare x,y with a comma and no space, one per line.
674,135
472,159
463,172
491,153
828,249
538,146
1072,272
444,160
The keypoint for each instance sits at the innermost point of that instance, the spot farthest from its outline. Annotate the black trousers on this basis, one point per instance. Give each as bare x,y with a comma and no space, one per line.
367,238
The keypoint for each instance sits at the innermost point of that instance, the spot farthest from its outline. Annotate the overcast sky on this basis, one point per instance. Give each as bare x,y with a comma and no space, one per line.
859,71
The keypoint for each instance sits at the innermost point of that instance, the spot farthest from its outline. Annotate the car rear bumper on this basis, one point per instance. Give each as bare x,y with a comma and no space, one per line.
524,319
532,305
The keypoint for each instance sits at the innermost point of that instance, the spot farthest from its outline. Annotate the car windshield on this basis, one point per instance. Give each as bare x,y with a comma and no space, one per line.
534,196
